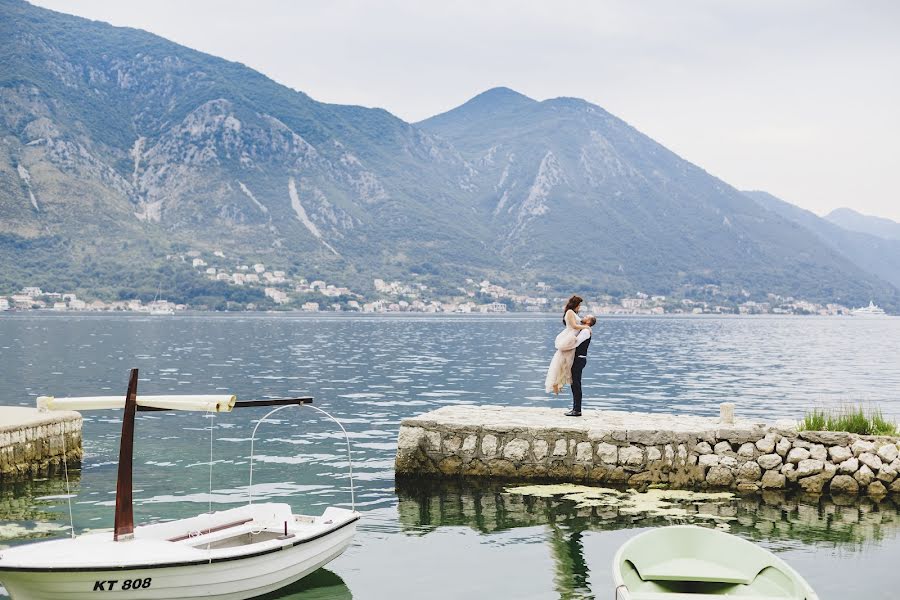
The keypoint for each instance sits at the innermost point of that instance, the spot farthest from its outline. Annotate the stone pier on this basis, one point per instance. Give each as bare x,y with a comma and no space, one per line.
33,443
635,449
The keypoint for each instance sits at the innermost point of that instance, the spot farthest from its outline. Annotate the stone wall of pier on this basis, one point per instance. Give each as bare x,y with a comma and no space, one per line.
33,443
638,449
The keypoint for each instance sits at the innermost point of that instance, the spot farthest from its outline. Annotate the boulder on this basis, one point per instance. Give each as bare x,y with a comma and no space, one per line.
631,456
895,487
719,477
789,470
870,460
749,471
773,480
728,461
703,448
864,476
860,446
818,452
653,453
560,448
887,453
839,454
783,446
607,453
813,484
844,484
797,454
722,448
747,450
849,466
708,460
887,473
539,448
828,438
489,446
809,466
583,452
766,445
876,488
769,461
516,449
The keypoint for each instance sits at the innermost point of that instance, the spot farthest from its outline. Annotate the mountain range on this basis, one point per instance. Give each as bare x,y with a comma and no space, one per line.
119,148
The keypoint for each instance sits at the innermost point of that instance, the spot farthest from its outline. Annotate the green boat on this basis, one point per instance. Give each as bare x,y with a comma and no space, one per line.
689,562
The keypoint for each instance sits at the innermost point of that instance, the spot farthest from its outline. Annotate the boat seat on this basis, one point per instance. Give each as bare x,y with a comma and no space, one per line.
693,569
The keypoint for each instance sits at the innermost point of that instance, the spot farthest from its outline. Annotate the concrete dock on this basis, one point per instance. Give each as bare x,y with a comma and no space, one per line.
682,451
33,443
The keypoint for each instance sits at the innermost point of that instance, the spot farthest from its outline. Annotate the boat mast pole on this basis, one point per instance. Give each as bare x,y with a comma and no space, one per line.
124,524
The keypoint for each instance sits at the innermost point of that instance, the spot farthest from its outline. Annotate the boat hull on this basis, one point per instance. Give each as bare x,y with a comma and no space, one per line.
234,579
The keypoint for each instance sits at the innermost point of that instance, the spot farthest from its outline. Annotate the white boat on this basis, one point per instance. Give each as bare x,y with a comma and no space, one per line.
690,562
231,554
161,308
872,310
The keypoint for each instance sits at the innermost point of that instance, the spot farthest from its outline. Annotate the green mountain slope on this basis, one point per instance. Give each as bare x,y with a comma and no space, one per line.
877,255
574,191
119,149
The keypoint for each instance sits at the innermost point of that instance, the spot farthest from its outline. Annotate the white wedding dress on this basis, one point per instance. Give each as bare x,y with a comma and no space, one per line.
559,373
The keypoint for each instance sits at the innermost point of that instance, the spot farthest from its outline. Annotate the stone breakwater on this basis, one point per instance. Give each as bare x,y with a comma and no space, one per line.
638,448
33,443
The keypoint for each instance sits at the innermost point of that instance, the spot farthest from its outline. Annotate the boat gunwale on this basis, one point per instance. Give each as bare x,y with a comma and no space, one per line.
184,563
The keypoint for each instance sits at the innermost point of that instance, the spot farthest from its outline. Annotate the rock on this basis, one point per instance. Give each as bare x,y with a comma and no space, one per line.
828,438
769,461
789,470
501,468
708,460
631,456
433,440
864,476
719,477
876,488
682,452
471,442
489,446
766,445
410,437
584,452
886,473
669,454
539,447
772,480
607,453
813,484
870,460
452,444
797,454
809,466
818,452
783,446
728,461
722,448
860,446
887,453
849,466
653,453
560,448
749,471
844,484
895,487
839,454
450,465
703,448
516,449
747,450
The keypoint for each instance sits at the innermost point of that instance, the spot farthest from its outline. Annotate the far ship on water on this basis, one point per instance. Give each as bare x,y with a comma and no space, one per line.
872,310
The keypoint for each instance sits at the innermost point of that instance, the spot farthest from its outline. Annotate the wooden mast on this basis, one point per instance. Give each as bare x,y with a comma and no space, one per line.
124,524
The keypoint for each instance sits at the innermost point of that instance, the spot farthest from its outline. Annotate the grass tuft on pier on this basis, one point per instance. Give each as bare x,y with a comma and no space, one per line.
852,419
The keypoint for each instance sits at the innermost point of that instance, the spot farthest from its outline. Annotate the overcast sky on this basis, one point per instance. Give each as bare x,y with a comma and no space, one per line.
800,99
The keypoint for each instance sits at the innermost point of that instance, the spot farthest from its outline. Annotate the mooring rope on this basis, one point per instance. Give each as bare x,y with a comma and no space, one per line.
346,439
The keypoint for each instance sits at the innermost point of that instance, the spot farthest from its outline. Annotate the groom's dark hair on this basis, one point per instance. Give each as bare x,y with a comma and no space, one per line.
592,319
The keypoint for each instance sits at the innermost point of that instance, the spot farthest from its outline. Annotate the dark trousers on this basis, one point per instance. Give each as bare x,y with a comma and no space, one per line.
577,368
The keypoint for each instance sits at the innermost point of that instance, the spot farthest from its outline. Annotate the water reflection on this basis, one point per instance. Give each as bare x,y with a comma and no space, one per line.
782,523
320,585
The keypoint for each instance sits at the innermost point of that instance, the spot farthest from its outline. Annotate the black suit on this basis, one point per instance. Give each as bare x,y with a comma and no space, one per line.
577,367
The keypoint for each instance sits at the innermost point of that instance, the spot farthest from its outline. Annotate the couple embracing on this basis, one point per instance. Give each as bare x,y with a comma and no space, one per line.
571,354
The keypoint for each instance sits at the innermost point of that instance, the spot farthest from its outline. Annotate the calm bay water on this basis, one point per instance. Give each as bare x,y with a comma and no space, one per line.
445,541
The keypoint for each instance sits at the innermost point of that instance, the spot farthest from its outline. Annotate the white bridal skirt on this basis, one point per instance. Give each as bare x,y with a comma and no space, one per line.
560,371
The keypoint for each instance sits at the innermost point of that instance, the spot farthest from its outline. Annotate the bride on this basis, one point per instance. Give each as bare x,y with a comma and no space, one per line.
560,371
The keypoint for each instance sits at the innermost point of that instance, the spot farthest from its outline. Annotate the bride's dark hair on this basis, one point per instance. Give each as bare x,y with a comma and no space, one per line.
572,304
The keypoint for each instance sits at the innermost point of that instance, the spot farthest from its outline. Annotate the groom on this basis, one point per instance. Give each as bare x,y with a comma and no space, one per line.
584,340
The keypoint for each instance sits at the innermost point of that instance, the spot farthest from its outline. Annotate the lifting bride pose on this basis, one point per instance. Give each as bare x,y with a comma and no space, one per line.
575,333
